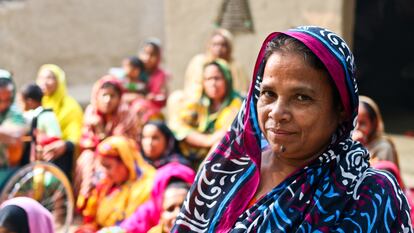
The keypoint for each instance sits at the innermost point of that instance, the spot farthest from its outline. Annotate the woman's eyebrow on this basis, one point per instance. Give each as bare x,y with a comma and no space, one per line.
303,89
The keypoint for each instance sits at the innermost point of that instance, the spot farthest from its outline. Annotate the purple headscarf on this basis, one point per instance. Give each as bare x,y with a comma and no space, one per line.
39,218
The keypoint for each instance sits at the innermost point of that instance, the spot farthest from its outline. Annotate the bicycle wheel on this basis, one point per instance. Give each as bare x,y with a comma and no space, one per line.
48,185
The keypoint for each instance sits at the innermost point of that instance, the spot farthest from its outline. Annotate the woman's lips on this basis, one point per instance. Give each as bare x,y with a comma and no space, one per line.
279,133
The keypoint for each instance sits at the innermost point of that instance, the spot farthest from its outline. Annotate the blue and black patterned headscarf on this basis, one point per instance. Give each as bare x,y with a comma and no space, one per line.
338,191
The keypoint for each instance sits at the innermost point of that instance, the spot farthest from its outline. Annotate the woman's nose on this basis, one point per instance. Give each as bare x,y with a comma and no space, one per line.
280,111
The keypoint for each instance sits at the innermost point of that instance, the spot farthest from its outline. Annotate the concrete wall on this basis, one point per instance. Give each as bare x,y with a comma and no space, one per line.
189,25
84,37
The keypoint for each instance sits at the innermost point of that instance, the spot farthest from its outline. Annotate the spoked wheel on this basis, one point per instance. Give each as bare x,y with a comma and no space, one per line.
47,184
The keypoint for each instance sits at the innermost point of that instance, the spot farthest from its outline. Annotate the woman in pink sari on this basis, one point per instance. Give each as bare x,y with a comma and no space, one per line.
105,116
148,215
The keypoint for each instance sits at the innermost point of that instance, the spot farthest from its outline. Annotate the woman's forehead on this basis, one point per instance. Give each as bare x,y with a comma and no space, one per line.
292,72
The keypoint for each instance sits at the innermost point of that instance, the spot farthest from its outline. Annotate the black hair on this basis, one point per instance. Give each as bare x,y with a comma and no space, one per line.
178,183
14,219
371,112
32,91
168,134
287,44
155,45
115,87
6,82
135,62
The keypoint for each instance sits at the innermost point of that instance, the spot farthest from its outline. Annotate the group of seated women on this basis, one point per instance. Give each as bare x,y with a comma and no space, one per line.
282,160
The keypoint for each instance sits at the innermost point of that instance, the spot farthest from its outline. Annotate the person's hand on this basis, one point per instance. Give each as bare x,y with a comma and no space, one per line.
357,135
150,96
112,230
217,136
94,120
86,228
53,150
131,97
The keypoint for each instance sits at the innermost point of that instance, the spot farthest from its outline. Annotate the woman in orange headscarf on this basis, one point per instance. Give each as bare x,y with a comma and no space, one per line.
127,184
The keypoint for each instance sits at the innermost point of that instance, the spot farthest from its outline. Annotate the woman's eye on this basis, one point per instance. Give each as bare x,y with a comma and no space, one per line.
267,93
303,97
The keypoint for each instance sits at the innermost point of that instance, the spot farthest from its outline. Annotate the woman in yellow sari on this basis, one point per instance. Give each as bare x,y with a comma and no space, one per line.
200,125
127,184
52,81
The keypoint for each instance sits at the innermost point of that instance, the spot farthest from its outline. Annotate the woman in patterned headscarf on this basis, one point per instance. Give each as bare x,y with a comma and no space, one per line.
288,164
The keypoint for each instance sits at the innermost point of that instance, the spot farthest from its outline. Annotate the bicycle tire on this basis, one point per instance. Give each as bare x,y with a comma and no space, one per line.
26,177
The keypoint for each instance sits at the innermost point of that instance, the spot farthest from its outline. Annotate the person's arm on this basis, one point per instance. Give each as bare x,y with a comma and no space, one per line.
11,134
204,140
48,125
158,89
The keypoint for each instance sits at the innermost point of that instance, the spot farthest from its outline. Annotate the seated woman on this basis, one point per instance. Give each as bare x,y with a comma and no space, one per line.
149,107
104,117
202,124
52,81
12,128
159,146
151,213
370,132
173,199
219,46
308,175
127,184
25,215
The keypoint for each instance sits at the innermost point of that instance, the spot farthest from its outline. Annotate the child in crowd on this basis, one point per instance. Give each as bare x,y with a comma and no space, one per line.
134,81
44,126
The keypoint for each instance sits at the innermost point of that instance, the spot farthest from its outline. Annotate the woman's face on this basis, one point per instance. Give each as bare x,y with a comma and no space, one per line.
219,47
214,83
6,97
108,100
115,169
149,57
47,82
153,142
364,123
295,107
172,202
